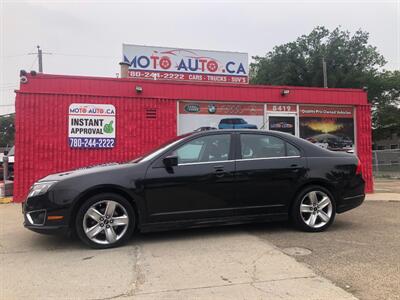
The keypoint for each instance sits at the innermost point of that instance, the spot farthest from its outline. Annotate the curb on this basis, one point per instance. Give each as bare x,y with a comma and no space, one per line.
383,197
6,200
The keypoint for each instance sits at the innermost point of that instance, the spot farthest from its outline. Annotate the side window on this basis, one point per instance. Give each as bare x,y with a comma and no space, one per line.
292,150
205,149
264,146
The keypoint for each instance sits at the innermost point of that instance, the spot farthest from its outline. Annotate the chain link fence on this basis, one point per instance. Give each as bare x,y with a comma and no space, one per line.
386,163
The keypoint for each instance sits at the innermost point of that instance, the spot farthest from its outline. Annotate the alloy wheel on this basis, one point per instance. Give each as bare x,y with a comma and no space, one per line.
316,209
105,222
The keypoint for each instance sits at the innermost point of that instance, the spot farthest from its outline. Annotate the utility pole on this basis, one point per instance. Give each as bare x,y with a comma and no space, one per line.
324,72
40,57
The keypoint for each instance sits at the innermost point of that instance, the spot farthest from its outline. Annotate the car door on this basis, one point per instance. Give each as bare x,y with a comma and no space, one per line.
268,169
200,186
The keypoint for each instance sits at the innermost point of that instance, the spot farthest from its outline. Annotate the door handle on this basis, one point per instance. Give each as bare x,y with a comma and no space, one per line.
219,172
219,167
295,167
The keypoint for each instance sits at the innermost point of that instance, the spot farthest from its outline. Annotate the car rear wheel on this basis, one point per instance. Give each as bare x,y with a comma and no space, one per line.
105,221
314,209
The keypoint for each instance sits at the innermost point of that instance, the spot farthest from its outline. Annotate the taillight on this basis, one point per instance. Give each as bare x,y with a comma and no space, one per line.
358,168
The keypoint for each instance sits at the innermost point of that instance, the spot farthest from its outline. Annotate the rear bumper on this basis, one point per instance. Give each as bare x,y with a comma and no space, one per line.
350,203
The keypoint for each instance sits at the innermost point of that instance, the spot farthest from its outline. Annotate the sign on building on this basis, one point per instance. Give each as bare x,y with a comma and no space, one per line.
331,127
91,125
198,116
186,64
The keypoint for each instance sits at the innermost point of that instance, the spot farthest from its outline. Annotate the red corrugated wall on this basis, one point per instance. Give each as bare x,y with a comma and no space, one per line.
42,126
364,143
42,118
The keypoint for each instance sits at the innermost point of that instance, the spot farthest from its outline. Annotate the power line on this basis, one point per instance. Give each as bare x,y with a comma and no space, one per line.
34,60
9,88
15,55
8,85
83,55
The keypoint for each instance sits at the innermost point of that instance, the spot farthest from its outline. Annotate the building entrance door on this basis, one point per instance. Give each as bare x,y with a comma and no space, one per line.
284,123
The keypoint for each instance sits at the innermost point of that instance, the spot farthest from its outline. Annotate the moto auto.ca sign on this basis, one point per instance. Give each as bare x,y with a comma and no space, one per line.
186,64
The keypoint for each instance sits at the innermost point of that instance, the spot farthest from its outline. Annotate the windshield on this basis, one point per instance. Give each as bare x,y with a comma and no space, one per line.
154,152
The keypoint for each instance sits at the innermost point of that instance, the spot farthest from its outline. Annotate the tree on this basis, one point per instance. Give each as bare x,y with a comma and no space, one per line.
386,105
351,63
7,130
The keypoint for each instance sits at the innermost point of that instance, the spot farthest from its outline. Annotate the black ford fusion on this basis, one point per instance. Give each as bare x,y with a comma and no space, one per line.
213,177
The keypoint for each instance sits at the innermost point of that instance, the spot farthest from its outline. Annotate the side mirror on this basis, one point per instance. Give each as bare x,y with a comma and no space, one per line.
170,161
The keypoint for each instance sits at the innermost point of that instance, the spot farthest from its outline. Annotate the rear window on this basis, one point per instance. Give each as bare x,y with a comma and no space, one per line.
265,146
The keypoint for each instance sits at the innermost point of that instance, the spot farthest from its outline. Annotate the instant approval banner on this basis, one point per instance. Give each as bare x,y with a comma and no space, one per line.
91,125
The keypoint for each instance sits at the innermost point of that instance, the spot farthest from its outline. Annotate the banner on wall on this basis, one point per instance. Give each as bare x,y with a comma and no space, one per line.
197,116
91,125
327,126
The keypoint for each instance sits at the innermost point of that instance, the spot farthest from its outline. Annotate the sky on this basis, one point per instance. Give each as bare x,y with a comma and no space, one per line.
86,37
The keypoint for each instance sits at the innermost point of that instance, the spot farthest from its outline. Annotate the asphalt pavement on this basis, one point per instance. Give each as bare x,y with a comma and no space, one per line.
360,252
214,263
358,256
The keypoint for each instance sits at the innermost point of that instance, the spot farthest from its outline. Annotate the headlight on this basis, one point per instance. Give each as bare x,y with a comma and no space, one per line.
40,188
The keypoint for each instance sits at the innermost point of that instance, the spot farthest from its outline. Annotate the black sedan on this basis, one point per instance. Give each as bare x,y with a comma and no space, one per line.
214,177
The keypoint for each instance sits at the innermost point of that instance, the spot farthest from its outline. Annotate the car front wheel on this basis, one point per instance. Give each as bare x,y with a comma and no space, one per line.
314,209
105,221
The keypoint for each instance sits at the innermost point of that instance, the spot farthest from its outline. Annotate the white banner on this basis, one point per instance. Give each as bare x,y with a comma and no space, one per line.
186,64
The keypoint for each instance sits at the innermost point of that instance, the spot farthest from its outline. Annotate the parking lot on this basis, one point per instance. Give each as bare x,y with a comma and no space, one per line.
357,257
360,253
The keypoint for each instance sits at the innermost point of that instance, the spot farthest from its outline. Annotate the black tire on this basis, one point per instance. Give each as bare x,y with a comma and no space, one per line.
123,205
299,219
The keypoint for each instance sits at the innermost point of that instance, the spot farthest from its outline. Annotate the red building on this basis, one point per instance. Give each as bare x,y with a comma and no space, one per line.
140,114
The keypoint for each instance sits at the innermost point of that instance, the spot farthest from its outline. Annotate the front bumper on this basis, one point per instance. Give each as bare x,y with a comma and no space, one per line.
38,212
65,230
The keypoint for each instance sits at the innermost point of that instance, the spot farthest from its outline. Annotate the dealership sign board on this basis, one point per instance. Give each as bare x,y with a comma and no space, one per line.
186,64
91,125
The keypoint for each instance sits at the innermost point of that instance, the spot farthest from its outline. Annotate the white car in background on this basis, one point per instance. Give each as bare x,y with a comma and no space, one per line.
11,158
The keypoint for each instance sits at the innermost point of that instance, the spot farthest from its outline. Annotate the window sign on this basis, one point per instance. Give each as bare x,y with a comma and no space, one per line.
91,125
282,123
327,126
198,116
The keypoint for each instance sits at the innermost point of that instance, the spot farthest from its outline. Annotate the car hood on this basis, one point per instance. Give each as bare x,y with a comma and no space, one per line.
97,169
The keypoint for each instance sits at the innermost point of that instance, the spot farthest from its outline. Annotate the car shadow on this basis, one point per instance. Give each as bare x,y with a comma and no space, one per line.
207,232
284,228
